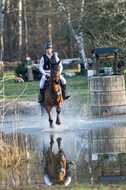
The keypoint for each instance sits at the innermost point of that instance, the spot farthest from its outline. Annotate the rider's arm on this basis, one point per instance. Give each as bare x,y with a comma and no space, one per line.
60,64
41,66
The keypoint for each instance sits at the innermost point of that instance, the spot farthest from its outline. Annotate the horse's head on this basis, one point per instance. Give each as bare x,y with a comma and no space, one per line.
55,72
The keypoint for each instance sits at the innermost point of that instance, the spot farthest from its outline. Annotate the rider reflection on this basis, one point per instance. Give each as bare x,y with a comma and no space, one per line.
57,167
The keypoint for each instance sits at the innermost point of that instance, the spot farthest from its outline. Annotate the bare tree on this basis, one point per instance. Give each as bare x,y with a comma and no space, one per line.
1,27
26,27
8,21
78,32
49,23
20,28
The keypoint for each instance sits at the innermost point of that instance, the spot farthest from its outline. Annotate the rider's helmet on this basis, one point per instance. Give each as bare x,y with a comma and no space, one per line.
48,45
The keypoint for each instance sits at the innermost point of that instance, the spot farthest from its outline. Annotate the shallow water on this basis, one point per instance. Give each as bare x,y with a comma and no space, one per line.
97,146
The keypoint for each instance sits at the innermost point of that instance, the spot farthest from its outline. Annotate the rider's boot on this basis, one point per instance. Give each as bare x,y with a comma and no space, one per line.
65,97
42,96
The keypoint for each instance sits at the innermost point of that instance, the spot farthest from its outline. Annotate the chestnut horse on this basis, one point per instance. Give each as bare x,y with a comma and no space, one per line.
55,171
53,94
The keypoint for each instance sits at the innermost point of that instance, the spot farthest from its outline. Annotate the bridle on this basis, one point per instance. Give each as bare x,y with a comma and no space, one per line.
53,79
56,82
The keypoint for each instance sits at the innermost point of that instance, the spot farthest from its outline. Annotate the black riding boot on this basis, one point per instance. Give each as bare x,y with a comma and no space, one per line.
42,96
65,97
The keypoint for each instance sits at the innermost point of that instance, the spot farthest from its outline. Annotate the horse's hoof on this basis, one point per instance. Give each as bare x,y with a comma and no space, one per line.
51,126
58,122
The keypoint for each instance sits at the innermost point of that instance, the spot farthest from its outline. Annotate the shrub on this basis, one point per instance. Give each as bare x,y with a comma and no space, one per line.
21,69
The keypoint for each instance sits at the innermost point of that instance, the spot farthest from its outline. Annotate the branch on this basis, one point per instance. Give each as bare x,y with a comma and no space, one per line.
67,17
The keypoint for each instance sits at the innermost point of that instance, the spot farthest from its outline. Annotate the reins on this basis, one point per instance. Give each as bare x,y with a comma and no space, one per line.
57,89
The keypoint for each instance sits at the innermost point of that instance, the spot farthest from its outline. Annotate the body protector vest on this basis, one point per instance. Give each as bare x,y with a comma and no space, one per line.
48,61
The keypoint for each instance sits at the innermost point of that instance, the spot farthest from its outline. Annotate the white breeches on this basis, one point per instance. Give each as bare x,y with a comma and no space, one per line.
43,79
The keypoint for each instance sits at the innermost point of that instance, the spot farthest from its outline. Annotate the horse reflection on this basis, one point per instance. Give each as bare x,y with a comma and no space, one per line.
57,168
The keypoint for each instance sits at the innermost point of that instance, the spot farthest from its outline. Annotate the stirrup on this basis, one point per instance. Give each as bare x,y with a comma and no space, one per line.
66,97
41,100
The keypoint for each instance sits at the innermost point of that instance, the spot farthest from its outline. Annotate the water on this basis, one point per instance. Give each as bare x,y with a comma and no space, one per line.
97,146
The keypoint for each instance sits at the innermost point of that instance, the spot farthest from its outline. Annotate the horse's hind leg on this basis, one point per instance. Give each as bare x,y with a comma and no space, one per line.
58,122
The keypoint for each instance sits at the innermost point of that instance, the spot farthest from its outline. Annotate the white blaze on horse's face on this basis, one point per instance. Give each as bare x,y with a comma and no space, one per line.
49,51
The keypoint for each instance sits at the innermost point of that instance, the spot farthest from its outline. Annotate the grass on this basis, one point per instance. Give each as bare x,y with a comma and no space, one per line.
14,90
11,155
76,86
75,187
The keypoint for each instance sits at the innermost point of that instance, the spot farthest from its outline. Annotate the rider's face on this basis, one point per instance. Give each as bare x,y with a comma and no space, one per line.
49,51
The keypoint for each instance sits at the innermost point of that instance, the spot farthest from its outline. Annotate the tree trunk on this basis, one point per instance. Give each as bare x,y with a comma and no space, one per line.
49,23
26,27
69,44
82,56
69,40
1,28
8,31
20,29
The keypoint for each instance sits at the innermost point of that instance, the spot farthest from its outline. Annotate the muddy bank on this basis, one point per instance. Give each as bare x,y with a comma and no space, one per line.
20,107
33,108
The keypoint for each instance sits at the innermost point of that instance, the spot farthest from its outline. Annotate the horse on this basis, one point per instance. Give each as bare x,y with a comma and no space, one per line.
56,170
53,94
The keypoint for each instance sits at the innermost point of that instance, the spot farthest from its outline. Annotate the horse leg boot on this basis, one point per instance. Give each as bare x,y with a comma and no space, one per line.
50,120
42,96
65,97
58,122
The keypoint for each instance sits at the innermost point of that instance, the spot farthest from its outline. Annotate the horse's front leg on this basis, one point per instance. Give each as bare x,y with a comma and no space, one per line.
59,139
51,142
51,120
50,117
58,122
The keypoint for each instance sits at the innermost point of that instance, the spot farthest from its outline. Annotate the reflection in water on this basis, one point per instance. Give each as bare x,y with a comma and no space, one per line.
109,148
99,155
57,167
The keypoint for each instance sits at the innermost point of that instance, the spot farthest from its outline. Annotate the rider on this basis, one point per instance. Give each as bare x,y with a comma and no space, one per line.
45,70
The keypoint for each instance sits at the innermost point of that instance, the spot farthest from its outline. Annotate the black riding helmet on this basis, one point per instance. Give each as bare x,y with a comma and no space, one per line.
48,45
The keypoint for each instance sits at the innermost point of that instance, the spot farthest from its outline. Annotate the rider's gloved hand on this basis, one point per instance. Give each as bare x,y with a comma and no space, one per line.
47,75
